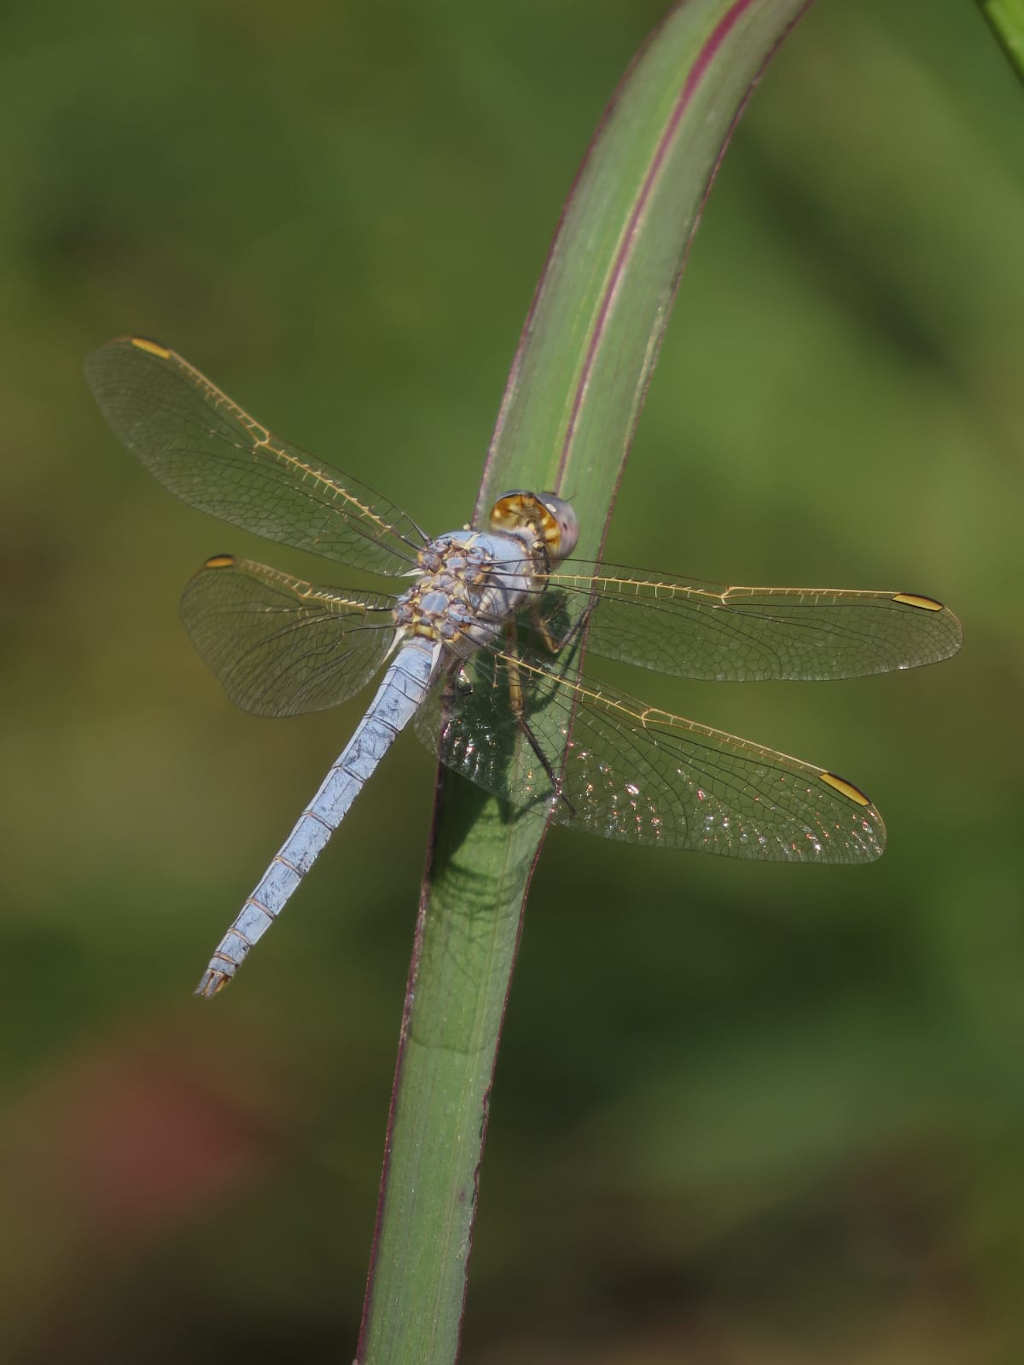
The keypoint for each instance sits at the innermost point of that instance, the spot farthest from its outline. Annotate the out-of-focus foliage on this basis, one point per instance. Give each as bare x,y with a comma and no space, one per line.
759,1114
1006,20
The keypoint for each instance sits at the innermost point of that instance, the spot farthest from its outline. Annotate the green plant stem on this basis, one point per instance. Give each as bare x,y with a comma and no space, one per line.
573,397
1006,20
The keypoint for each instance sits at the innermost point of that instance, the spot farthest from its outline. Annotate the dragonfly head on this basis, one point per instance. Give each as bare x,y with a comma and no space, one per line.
550,516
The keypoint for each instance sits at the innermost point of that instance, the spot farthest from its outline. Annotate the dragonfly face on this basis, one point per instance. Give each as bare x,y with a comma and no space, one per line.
487,644
551,517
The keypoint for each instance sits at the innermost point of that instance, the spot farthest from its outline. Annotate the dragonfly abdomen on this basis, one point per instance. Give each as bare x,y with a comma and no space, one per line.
401,693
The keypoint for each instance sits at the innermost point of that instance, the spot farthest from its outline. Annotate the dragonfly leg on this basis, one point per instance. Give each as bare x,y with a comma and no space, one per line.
553,643
516,701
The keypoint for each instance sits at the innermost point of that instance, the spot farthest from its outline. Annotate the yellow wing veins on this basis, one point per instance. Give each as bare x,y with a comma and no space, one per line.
298,587
651,715
722,595
262,437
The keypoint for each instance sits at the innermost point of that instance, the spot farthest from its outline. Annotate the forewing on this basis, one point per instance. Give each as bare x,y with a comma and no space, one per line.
214,456
631,772
279,645
691,629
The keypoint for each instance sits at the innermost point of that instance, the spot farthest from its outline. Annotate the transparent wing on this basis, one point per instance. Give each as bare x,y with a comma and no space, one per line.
279,645
635,773
214,456
692,629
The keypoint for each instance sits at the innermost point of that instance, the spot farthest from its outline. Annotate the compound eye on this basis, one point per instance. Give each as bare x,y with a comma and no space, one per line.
546,514
567,522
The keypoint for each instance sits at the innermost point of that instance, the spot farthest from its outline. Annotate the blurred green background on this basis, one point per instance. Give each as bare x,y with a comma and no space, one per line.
743,1114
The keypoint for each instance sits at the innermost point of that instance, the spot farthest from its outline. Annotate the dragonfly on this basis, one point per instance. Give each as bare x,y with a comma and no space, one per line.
483,649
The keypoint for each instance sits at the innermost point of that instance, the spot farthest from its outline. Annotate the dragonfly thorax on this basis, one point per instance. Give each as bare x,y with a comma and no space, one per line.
471,584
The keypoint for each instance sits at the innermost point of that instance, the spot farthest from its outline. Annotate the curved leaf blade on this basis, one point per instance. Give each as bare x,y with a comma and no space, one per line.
573,397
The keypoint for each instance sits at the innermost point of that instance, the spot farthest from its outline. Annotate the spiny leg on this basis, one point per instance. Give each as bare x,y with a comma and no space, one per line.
554,644
518,704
